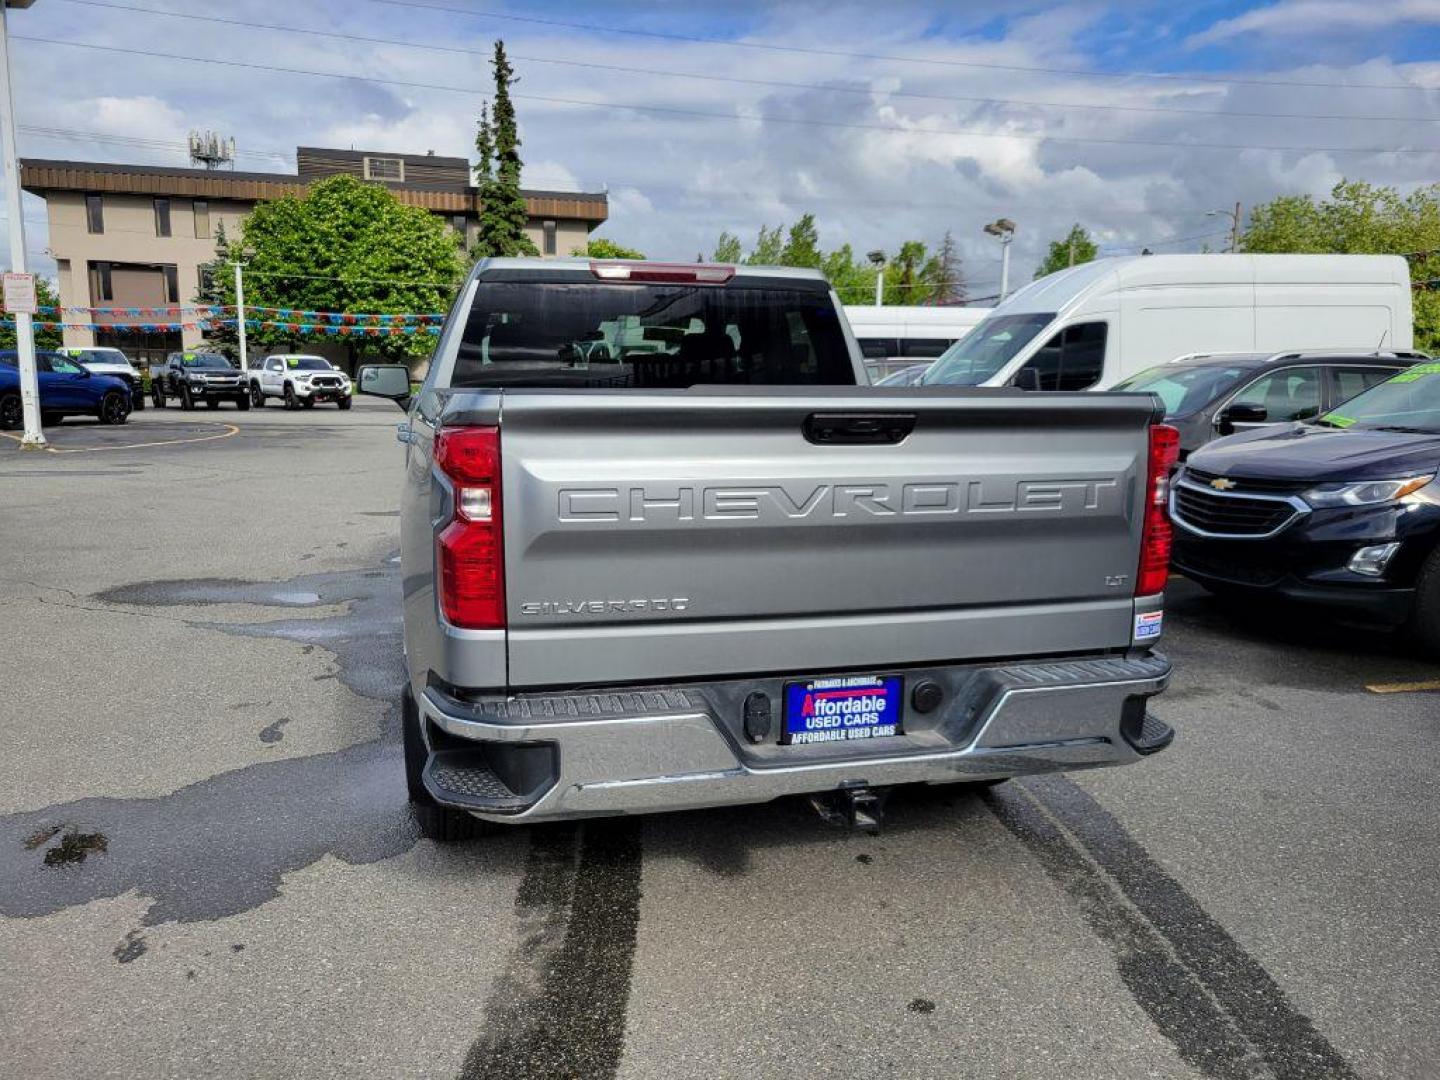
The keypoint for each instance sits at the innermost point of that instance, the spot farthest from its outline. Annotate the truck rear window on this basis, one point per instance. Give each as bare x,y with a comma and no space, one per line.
608,336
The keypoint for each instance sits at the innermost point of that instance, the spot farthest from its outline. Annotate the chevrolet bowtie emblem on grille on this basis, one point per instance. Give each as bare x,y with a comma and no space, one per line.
1220,483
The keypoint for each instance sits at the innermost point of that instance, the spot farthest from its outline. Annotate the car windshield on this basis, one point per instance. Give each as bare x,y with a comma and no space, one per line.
102,356
1185,389
985,350
1410,401
206,361
306,363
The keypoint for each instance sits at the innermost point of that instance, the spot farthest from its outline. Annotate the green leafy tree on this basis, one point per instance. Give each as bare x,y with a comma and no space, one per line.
802,244
502,207
1074,248
854,282
602,247
346,246
46,338
727,249
1362,219
768,246
904,283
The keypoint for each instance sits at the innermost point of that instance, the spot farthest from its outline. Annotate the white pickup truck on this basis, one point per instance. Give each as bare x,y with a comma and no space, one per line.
298,379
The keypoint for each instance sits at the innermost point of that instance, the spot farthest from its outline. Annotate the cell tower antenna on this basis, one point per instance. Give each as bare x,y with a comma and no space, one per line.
212,150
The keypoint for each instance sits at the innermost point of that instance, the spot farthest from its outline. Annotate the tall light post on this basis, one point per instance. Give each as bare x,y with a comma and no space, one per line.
1234,216
1003,229
34,438
877,260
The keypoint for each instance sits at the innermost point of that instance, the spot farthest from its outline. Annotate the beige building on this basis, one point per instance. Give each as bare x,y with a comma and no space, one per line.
137,235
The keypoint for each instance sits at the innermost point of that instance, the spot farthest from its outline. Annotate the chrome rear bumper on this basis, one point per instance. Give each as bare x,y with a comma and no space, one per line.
652,749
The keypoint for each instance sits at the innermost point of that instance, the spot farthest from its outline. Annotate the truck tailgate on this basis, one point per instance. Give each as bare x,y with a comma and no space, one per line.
663,535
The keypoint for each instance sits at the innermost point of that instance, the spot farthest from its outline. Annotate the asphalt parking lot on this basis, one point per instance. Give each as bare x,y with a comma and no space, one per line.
207,867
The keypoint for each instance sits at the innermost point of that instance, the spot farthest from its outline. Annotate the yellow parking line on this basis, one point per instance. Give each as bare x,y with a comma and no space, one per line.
231,429
1403,687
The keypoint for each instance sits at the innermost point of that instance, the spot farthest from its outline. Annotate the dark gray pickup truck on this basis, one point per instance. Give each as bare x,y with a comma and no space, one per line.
662,548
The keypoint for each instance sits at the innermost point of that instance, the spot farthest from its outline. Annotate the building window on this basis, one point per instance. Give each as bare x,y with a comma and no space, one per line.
207,281
162,217
384,168
172,285
101,286
549,228
202,219
94,213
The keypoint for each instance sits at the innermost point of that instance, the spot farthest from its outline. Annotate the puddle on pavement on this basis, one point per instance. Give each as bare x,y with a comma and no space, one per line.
222,845
75,848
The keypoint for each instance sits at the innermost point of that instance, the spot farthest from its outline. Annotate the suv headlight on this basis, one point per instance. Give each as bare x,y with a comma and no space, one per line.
1366,493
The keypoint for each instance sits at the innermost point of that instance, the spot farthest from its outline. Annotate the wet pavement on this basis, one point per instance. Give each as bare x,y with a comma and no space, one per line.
207,868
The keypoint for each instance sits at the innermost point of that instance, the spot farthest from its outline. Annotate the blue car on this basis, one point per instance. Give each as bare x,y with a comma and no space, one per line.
66,389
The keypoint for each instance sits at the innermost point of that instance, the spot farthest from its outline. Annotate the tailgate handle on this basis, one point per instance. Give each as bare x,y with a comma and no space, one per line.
844,429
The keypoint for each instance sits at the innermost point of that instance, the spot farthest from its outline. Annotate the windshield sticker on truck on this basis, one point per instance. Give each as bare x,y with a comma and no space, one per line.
1336,420
1419,371
1148,624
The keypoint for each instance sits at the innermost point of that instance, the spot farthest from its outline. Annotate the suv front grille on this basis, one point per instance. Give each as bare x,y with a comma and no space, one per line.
1214,514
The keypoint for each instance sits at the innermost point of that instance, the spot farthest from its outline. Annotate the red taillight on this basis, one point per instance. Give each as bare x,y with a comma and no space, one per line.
670,273
1155,536
469,550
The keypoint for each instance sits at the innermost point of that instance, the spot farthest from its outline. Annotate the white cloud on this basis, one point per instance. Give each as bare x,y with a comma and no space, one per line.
1319,17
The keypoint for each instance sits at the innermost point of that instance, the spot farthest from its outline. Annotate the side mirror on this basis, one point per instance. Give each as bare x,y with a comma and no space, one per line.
1240,414
1027,378
386,380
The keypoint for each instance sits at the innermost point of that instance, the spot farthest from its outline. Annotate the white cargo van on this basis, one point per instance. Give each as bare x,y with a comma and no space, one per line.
894,337
1088,327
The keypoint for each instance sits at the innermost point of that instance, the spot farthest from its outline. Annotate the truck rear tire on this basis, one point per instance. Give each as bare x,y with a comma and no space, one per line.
157,395
1424,621
12,412
257,396
442,824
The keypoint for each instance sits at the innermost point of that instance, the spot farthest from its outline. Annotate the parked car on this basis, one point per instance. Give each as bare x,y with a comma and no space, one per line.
1089,326
298,379
1341,511
99,360
767,587
1207,396
894,336
906,376
193,377
66,389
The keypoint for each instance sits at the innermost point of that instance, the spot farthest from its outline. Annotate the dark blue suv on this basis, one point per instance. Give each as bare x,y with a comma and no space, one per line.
66,389
1342,510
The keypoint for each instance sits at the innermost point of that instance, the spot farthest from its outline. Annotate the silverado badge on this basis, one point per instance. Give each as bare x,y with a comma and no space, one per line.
1221,483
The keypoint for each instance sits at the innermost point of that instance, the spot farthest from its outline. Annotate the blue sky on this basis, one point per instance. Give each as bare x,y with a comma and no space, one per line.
889,121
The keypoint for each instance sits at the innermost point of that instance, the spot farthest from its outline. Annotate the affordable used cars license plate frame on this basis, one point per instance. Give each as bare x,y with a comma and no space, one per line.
843,709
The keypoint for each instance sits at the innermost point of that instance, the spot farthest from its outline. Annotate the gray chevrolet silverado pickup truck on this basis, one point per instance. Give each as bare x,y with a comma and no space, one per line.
662,548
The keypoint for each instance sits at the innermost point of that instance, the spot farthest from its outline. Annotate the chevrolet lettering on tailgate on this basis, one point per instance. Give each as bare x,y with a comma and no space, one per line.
1070,496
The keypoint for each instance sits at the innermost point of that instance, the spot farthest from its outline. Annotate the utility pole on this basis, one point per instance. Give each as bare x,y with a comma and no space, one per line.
1072,249
34,438
1234,216
240,315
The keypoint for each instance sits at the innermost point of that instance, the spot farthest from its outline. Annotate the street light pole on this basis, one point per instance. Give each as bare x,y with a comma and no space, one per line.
877,260
1234,216
1003,229
33,438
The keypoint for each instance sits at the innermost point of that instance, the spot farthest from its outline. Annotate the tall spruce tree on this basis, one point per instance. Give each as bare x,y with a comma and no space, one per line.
217,289
502,207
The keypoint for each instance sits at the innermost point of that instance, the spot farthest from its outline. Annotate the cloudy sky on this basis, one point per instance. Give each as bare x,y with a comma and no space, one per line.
890,121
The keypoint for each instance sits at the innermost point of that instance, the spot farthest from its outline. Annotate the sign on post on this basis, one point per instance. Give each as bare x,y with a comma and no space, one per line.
20,294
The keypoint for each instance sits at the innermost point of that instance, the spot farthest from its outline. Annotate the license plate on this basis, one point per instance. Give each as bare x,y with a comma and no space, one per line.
845,708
